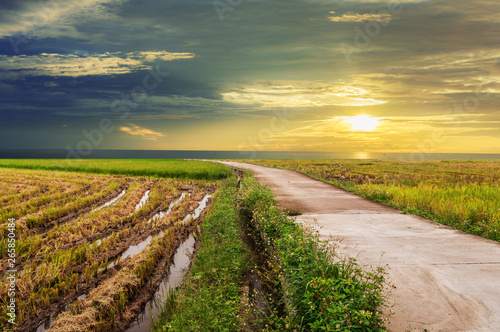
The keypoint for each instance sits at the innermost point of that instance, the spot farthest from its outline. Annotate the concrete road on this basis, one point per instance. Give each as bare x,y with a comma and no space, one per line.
445,280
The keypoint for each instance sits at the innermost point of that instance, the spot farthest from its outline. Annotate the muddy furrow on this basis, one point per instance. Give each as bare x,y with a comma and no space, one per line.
42,203
141,295
136,239
21,263
180,263
55,239
80,269
44,230
33,323
151,234
150,288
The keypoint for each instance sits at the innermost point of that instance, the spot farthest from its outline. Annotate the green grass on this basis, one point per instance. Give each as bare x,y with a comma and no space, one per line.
160,168
461,194
318,290
54,261
210,296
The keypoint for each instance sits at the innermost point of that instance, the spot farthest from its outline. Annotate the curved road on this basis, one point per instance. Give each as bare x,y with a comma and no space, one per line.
445,280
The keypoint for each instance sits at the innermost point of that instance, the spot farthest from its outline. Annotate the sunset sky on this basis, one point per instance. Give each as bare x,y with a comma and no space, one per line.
301,75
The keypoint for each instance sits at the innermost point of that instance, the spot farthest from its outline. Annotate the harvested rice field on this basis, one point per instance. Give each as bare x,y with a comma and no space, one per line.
91,249
162,245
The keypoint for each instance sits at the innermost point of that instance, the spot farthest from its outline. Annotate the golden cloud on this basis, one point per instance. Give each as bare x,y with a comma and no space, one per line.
53,64
279,93
145,133
356,17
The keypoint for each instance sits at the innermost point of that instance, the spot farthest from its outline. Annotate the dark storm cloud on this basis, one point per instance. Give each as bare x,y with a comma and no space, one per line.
432,53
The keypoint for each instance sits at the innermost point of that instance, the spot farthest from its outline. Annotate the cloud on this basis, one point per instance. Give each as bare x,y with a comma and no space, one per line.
434,83
276,93
338,126
433,55
72,65
400,133
34,18
165,102
162,116
385,2
145,133
356,17
160,55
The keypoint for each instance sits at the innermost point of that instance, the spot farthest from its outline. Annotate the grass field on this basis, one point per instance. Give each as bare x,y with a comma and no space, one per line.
95,238
319,290
160,168
210,297
308,287
73,228
462,194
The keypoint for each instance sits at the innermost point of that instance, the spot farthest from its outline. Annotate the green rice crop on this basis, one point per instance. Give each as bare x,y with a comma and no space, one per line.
160,168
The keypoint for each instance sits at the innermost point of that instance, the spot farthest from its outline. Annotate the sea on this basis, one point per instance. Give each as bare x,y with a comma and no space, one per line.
199,154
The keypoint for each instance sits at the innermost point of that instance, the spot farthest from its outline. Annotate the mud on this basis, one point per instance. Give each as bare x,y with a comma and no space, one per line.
111,202
126,249
138,248
146,293
143,201
197,212
97,239
46,316
162,214
43,231
179,266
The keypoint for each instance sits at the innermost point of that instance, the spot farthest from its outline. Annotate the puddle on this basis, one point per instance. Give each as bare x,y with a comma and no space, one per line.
170,282
263,294
138,248
111,202
97,243
48,323
81,215
197,212
143,200
135,249
180,264
132,251
162,214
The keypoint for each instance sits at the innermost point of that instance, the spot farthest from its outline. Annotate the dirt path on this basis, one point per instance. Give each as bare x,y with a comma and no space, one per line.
445,280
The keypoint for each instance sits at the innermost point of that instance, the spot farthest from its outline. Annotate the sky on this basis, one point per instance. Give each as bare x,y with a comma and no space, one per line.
251,75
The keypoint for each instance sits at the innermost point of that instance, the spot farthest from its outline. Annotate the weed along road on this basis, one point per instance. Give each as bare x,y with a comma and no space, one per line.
445,280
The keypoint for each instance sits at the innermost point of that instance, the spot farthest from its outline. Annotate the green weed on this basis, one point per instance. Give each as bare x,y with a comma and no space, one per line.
320,292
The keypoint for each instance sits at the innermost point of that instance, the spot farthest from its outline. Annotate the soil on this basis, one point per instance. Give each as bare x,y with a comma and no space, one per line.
149,289
134,237
43,230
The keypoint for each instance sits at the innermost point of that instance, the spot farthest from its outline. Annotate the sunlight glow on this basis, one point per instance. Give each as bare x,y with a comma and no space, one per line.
362,122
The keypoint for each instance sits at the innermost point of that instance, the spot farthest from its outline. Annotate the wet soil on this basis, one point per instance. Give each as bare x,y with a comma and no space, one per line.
135,237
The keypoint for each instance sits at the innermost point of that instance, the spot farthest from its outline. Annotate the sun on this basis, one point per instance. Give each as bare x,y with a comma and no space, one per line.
362,122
